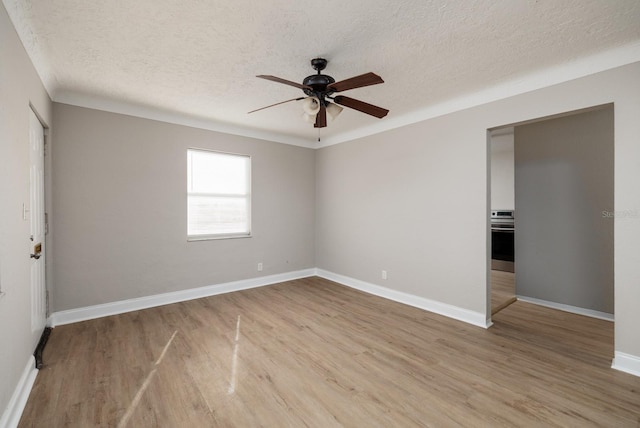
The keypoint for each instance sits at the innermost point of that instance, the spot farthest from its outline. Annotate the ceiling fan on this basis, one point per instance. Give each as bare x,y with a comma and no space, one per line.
319,89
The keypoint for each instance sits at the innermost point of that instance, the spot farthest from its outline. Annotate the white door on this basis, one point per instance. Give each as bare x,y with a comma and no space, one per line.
37,219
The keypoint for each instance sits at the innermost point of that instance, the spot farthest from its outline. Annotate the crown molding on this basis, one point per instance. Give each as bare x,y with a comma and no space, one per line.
614,58
152,113
568,71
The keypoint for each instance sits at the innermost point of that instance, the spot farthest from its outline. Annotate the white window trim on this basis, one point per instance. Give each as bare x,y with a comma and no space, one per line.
248,196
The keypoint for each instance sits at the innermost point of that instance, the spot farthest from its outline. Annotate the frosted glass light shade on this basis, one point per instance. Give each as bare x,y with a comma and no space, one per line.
311,105
333,110
311,118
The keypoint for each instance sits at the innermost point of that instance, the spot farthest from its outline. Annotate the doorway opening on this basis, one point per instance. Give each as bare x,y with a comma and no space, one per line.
559,173
502,218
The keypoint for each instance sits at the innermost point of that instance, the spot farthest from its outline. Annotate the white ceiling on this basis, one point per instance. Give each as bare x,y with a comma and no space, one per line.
195,61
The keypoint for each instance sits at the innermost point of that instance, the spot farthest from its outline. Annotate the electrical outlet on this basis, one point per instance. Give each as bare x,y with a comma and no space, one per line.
384,274
259,267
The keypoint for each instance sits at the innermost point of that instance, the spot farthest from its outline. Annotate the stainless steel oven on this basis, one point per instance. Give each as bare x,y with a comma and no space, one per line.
503,240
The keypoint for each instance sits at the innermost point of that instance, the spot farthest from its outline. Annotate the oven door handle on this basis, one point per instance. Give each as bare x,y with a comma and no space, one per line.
500,229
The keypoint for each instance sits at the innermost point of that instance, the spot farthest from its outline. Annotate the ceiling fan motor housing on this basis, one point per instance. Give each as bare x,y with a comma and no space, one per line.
319,87
319,84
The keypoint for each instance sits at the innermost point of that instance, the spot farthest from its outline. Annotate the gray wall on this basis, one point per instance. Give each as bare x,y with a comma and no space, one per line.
414,200
411,201
564,181
20,86
119,190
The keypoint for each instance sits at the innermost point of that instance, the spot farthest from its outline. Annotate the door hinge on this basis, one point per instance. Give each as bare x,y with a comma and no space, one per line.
46,223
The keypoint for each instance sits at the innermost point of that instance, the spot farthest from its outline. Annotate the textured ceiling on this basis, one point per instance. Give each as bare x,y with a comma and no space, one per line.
199,58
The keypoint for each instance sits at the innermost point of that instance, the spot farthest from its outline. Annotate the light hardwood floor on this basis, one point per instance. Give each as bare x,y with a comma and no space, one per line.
503,290
313,353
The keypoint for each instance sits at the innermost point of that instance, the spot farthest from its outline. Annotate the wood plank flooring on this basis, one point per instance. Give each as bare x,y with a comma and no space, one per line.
314,353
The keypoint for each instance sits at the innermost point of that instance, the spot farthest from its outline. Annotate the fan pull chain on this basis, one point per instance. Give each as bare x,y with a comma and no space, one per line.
318,135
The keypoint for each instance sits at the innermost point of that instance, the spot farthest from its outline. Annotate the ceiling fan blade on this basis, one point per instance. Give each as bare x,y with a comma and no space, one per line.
284,81
366,79
276,104
321,117
367,108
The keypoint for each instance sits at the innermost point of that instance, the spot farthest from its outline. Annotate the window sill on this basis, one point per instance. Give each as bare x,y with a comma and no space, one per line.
215,238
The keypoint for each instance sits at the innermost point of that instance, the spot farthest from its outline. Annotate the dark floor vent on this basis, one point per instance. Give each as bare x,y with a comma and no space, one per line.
40,348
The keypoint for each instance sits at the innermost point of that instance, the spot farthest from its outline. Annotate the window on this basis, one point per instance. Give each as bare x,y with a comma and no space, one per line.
219,195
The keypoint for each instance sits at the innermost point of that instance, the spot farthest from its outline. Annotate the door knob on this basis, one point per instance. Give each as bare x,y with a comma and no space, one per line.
37,251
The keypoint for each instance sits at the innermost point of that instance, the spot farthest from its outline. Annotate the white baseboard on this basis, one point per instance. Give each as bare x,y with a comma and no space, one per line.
11,416
626,363
122,306
568,308
455,312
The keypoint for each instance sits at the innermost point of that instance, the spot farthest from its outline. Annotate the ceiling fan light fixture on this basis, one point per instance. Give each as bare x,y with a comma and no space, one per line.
311,106
310,118
319,88
333,110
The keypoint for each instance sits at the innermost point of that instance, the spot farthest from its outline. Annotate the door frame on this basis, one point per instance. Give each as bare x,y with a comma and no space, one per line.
488,201
44,201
